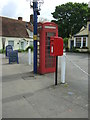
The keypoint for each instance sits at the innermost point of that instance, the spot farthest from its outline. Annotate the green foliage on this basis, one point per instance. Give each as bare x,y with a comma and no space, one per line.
74,49
31,47
88,13
70,18
2,51
65,40
20,50
67,49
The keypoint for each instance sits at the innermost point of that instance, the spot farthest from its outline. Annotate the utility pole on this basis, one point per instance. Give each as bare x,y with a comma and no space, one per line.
35,4
35,8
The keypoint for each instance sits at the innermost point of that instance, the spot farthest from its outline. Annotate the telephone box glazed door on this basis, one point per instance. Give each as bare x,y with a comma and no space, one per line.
45,62
49,60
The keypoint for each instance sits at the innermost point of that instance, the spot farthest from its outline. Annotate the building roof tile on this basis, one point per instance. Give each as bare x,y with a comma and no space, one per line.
82,32
14,28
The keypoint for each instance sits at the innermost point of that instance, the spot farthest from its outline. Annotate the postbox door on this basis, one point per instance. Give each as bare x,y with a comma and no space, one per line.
56,46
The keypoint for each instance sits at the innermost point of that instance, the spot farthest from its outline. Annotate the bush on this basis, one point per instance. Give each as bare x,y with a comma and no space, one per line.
30,47
84,47
74,49
2,51
67,49
65,40
21,50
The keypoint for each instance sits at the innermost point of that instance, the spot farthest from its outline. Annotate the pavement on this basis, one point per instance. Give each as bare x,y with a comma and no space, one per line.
26,95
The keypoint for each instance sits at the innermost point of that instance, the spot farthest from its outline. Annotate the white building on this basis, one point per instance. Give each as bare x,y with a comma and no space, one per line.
17,33
81,40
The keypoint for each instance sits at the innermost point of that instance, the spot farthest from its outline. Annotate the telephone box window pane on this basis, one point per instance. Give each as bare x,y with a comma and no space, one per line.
38,47
49,60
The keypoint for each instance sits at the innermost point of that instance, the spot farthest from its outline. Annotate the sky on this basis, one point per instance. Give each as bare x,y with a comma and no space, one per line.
21,8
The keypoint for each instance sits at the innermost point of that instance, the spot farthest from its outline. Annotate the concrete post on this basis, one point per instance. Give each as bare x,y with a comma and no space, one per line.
63,67
86,41
74,42
29,56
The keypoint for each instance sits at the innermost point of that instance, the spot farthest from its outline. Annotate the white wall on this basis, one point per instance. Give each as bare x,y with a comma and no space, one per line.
0,42
17,42
30,33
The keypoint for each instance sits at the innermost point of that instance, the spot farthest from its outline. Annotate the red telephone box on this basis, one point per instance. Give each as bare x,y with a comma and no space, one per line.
45,62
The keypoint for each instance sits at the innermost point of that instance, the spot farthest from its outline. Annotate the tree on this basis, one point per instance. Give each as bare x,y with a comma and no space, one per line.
89,11
65,40
70,18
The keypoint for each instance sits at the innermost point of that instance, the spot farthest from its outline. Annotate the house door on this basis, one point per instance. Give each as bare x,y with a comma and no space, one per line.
72,44
22,45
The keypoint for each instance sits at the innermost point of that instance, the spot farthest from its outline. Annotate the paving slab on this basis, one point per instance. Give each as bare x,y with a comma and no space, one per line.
19,109
26,95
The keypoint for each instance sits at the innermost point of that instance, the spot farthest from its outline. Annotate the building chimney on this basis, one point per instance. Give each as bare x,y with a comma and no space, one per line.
20,18
31,18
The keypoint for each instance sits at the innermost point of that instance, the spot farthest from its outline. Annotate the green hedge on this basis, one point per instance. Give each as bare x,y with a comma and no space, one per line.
30,47
74,49
2,51
20,50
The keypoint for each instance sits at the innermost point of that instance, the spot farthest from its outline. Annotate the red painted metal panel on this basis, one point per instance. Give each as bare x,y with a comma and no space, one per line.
56,46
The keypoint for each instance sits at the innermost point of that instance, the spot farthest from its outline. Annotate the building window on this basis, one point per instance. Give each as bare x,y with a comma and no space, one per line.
84,42
22,45
31,43
31,34
89,27
78,42
11,43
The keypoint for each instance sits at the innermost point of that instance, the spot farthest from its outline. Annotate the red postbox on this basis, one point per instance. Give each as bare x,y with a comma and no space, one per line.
45,62
56,46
